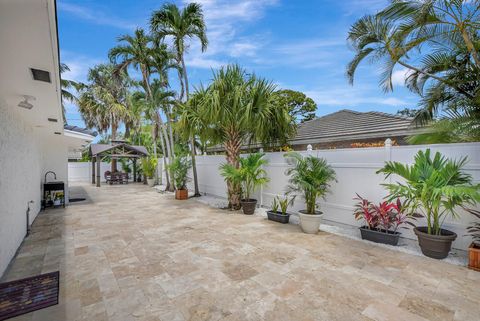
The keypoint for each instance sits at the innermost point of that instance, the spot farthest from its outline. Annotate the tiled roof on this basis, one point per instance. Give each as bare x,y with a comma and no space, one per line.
80,130
348,124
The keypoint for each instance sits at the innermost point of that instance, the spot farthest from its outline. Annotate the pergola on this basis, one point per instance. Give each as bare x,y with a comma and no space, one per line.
115,150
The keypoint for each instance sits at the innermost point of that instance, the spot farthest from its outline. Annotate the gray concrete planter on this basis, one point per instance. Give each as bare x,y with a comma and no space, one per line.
435,246
377,236
310,223
151,182
278,217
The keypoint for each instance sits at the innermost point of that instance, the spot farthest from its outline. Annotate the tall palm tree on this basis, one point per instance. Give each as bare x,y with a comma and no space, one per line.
102,102
67,86
170,21
238,108
138,51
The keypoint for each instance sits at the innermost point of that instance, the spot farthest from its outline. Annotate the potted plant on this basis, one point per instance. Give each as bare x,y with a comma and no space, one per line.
436,187
474,248
149,165
249,175
382,221
179,168
310,176
280,216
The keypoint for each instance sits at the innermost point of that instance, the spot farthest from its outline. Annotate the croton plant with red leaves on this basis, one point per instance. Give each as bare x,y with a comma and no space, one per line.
382,217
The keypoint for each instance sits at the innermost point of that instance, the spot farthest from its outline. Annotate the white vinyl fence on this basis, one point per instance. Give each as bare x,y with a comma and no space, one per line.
82,171
356,173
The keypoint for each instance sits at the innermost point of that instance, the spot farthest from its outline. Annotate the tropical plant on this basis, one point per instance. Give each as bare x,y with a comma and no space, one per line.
310,176
433,186
237,109
249,174
125,167
142,54
149,166
385,217
170,21
283,203
102,102
179,167
474,228
67,86
437,42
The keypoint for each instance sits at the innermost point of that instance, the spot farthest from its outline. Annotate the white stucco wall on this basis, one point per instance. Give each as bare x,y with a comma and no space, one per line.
20,180
26,154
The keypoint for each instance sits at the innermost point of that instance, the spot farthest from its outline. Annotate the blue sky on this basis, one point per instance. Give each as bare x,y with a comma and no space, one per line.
299,45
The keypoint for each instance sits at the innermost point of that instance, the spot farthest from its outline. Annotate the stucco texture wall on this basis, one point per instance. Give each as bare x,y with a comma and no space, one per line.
20,180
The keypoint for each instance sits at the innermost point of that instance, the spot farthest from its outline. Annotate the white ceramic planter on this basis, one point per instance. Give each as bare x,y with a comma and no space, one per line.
151,182
310,223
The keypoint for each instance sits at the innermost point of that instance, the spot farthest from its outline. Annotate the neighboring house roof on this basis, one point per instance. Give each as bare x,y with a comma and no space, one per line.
80,130
352,125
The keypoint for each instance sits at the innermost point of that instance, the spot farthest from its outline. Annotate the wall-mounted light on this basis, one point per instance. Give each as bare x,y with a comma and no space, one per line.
25,103
53,120
57,133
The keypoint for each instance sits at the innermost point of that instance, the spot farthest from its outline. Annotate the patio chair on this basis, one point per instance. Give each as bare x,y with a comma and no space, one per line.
108,177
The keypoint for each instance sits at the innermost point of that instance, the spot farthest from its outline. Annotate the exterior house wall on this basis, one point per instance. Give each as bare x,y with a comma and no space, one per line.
20,180
356,173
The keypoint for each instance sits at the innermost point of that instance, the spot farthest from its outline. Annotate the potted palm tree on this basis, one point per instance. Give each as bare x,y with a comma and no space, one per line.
310,176
249,175
179,168
280,216
149,165
436,187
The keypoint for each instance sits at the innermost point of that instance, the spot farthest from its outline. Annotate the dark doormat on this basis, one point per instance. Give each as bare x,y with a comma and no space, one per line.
27,295
76,199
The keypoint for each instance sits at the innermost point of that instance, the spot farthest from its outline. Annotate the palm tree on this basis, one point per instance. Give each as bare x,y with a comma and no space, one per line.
310,176
237,108
436,186
140,52
170,21
437,41
66,86
102,102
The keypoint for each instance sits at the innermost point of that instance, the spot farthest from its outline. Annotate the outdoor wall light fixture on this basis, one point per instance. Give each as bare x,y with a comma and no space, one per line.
53,120
25,103
57,133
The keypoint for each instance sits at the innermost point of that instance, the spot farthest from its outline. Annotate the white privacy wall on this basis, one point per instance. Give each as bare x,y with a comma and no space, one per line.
355,170
82,171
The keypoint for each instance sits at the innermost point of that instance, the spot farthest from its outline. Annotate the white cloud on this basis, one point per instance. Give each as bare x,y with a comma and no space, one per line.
225,20
399,76
79,65
346,96
96,16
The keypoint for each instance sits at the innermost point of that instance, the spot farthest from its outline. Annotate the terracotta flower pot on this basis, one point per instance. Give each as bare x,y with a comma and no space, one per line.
310,223
248,206
181,194
474,257
435,246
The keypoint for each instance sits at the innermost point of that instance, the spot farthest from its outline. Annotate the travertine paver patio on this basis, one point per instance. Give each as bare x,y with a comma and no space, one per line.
133,254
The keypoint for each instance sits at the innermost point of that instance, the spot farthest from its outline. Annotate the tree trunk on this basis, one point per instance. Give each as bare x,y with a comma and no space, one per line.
192,139
170,158
232,148
112,138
